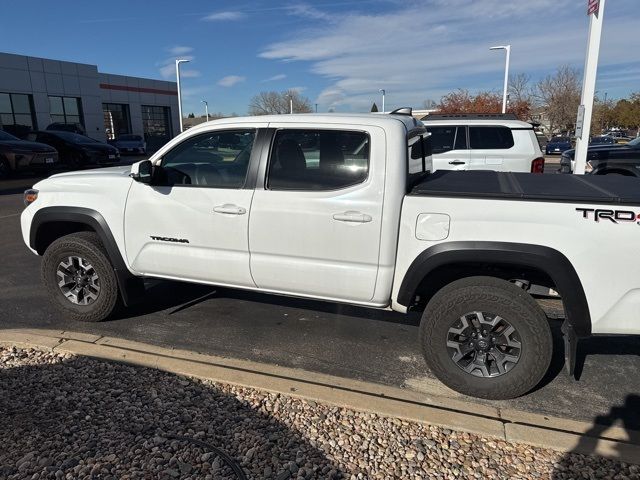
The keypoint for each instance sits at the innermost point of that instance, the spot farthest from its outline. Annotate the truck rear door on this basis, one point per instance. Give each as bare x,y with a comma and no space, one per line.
316,214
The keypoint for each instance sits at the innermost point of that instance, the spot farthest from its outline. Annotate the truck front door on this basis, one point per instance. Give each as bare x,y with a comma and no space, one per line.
192,222
449,147
316,216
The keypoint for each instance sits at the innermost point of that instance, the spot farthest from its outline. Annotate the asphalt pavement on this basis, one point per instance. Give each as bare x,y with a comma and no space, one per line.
351,342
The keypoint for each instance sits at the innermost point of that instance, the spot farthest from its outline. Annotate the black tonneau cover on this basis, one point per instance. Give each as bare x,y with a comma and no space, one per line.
528,186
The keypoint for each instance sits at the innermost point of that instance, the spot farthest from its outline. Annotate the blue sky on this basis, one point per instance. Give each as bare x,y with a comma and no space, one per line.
337,53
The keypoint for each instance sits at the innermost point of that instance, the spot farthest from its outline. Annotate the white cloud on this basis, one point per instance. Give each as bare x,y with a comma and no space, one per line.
180,50
297,89
307,11
224,16
275,78
425,48
230,80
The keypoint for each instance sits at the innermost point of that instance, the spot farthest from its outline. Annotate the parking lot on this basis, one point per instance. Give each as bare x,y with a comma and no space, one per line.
350,342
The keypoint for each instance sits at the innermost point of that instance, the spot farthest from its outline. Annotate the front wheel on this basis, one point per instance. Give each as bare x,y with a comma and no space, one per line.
79,278
487,338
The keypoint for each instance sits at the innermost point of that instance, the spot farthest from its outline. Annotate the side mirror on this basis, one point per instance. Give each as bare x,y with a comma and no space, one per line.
141,171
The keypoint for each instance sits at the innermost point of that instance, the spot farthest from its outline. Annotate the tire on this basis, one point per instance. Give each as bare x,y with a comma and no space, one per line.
100,296
457,304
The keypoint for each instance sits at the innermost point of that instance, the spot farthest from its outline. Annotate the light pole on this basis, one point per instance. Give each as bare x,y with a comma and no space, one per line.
316,108
506,74
206,108
383,92
178,62
290,97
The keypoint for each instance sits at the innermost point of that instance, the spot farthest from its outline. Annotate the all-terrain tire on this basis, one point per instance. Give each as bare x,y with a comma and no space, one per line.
487,294
86,245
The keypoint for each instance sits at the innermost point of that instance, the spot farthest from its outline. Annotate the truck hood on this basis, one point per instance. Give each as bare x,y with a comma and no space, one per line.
96,175
119,171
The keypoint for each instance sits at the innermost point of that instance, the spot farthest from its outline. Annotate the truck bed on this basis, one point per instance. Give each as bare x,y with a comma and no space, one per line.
533,187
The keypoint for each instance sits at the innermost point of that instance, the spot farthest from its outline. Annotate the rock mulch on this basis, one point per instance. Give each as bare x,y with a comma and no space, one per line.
68,417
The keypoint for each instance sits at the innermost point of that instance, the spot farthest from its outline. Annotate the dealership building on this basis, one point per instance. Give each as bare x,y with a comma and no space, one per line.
36,92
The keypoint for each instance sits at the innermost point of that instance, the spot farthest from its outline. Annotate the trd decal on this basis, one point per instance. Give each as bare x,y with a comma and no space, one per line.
615,216
169,239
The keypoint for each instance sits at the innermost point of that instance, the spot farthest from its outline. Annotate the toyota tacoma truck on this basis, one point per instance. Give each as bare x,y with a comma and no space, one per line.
343,208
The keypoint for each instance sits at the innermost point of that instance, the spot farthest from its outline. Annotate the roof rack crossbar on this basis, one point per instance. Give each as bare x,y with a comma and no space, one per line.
470,116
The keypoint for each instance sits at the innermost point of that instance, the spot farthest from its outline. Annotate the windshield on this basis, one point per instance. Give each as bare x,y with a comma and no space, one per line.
74,137
7,136
560,140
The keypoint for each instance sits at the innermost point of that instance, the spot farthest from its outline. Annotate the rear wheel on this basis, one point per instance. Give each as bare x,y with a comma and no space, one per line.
487,338
79,277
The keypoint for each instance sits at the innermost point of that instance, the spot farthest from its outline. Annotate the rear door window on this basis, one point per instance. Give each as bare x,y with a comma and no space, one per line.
316,160
490,138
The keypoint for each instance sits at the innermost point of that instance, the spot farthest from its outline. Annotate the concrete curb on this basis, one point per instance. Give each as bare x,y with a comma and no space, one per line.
505,424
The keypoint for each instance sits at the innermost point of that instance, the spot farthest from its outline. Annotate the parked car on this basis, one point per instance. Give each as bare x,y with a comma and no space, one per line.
368,226
67,127
129,143
483,142
557,145
620,136
616,159
77,150
603,140
16,154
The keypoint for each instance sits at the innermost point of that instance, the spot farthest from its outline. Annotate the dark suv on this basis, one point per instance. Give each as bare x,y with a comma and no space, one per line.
617,159
16,154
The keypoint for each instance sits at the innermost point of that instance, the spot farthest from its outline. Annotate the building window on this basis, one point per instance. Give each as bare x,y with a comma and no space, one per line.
117,120
17,113
66,110
156,125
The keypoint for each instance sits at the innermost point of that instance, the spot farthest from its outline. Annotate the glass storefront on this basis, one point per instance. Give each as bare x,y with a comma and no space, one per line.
17,113
117,120
65,110
156,123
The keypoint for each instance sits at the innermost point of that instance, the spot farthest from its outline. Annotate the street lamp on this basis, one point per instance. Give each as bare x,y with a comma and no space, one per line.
178,62
206,108
383,92
506,74
316,108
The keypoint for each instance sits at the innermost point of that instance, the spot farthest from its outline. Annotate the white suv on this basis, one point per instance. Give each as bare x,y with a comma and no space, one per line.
483,142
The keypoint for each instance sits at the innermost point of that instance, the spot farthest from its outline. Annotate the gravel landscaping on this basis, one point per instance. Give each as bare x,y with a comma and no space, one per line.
67,417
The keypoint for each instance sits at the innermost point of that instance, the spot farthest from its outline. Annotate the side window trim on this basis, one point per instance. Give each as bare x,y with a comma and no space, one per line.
263,178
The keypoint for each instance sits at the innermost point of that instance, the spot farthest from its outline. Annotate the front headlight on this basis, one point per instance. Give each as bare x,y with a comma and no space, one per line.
30,196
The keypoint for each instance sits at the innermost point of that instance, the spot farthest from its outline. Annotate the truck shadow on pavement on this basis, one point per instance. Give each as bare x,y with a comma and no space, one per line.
581,462
81,418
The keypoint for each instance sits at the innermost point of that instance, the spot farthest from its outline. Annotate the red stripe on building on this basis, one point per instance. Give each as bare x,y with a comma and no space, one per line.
124,88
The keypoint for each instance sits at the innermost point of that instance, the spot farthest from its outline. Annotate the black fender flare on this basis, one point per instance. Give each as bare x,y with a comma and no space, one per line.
131,287
546,259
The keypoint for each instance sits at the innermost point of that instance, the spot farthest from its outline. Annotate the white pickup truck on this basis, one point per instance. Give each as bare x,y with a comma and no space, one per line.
343,208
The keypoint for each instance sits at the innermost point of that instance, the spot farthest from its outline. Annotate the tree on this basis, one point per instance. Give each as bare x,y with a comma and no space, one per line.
519,88
461,101
191,115
269,103
374,107
626,113
559,94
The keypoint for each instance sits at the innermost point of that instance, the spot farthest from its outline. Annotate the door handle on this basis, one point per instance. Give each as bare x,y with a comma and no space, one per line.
230,209
457,162
353,217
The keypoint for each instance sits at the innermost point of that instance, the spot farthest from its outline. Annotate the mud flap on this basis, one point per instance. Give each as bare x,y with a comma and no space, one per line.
570,348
